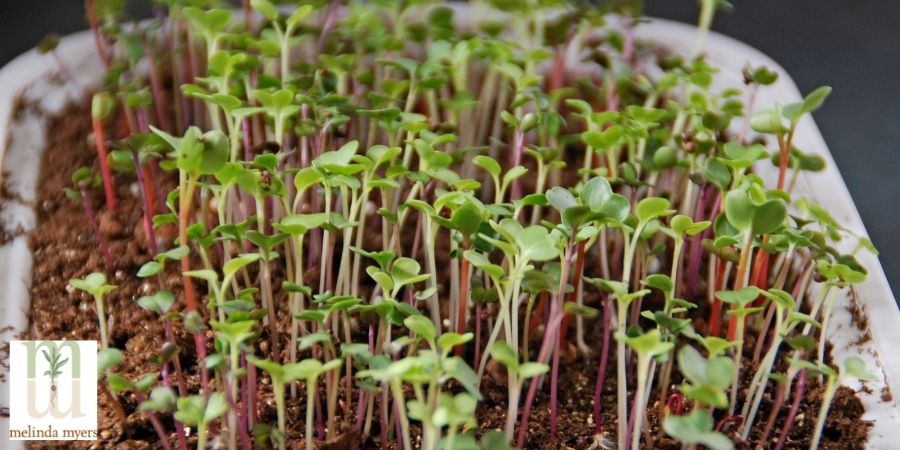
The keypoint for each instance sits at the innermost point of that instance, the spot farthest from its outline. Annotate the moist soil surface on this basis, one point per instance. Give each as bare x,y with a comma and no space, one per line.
65,247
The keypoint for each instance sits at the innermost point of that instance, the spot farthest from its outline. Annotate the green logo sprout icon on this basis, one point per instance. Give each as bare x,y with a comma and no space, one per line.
56,364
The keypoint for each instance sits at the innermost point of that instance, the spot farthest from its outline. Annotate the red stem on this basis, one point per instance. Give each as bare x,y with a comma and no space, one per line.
759,264
478,334
95,30
190,295
105,172
675,404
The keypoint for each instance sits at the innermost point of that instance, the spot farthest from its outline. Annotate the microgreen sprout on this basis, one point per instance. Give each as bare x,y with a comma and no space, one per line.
83,180
696,428
854,368
96,286
102,106
647,346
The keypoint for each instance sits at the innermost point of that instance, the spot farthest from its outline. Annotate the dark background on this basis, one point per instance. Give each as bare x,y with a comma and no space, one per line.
851,45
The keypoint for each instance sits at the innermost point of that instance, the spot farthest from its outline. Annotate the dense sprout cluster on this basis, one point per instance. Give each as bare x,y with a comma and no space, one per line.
379,201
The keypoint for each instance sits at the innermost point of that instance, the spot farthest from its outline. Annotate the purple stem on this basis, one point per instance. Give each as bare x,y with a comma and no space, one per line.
269,208
251,393
320,424
554,383
601,369
363,398
798,285
241,427
362,404
160,431
244,414
795,405
690,286
550,338
179,428
101,238
397,427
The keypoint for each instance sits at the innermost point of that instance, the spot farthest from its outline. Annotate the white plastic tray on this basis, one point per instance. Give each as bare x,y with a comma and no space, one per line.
22,140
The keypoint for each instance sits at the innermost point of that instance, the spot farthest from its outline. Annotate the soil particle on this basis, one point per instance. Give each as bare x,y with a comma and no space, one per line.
886,395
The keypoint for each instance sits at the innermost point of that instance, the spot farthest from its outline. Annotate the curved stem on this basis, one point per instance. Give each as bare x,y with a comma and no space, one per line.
799,390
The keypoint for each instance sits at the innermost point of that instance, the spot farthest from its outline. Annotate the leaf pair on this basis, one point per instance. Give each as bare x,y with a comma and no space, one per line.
745,214
707,380
504,353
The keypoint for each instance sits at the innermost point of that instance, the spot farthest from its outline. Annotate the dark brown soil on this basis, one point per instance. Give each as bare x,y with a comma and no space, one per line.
65,247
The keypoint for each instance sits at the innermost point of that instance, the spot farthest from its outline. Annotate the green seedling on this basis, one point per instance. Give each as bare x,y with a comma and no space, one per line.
647,346
427,371
234,335
696,428
83,181
95,285
786,320
102,106
503,353
707,379
308,370
853,369
773,122
740,310
619,291
197,411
